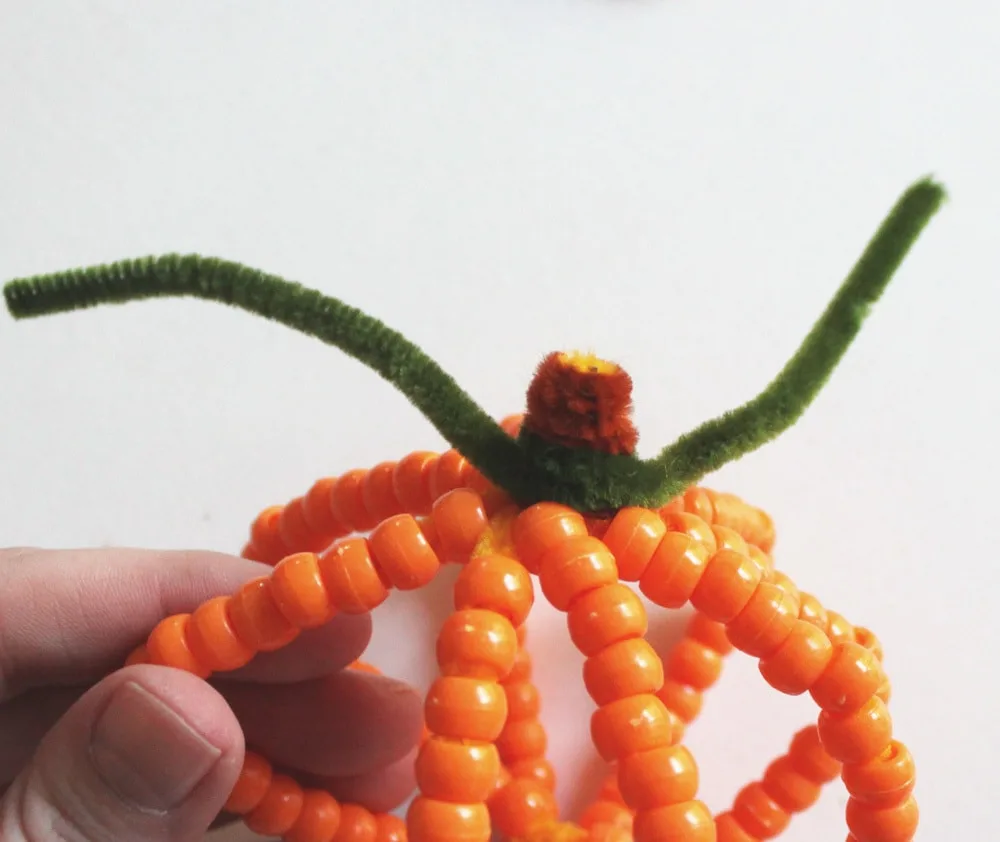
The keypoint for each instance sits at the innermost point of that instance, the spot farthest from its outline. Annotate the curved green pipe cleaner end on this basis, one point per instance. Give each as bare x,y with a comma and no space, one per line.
529,469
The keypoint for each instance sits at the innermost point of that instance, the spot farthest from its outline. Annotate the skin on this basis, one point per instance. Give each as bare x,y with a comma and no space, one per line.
68,620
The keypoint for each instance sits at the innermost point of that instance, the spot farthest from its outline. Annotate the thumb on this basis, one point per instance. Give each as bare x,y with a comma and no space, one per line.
150,753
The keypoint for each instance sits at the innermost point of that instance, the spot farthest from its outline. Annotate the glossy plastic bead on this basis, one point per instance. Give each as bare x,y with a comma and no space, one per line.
356,825
574,568
623,669
859,736
838,628
388,828
897,823
765,623
727,829
295,532
540,528
496,583
800,661
402,554
440,821
674,570
317,512
378,496
251,785
256,618
632,537
318,820
697,501
299,592
812,611
347,501
630,725
477,644
458,771
466,708
729,580
265,535
851,678
868,639
811,759
758,813
460,519
606,813
168,646
666,775
523,701
680,699
694,664
522,739
411,482
351,578
691,524
522,669
278,809
536,769
690,821
605,616
727,538
521,806
883,781
789,789
448,473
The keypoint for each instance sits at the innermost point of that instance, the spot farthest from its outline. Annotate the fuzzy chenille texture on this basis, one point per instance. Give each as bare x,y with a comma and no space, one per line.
530,468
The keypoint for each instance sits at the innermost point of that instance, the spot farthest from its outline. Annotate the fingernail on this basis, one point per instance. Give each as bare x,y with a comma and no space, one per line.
146,752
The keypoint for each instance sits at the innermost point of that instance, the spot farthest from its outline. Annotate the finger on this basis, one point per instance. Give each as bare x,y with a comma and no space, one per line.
313,654
380,791
71,617
148,754
345,724
24,721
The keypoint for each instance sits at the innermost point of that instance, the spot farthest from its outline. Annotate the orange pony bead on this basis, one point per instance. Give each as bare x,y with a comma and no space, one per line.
347,501
689,820
213,640
460,520
351,578
812,611
447,473
729,580
632,537
317,512
604,616
378,494
458,771
897,823
852,677
574,568
319,819
727,538
661,776
788,788
295,532
694,664
859,736
522,739
699,502
265,535
402,554
521,806
883,781
692,525
466,708
709,632
810,757
629,725
251,785
758,813
623,669
167,646
727,829
256,618
356,825
765,623
674,570
838,629
411,482
388,828
800,661
536,769
477,644
541,527
299,592
279,808
680,699
606,813
523,701
439,821
496,583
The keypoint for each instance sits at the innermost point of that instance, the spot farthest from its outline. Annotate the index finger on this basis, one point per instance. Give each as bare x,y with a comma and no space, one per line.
71,617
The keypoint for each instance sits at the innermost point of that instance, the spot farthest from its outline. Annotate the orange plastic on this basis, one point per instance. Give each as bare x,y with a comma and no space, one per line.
482,765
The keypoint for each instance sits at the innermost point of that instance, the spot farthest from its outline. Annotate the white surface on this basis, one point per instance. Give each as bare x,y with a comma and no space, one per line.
480,175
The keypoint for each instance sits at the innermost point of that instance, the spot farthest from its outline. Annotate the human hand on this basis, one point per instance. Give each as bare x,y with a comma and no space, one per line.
91,752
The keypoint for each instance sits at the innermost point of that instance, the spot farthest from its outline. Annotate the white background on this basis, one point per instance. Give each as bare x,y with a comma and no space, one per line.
679,186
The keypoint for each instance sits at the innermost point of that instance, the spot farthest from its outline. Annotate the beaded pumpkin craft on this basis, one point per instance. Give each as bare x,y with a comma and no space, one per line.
558,496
